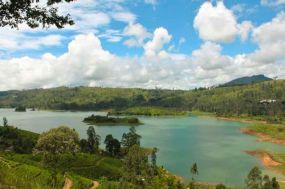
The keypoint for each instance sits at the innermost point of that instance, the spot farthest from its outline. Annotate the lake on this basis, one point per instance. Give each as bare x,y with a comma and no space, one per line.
216,145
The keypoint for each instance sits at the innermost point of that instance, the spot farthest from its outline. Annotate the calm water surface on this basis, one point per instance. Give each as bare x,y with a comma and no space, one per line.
216,145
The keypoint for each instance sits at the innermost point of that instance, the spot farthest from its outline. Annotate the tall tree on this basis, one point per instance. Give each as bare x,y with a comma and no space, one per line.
254,179
113,146
131,138
194,171
153,156
5,122
16,12
136,167
93,139
275,184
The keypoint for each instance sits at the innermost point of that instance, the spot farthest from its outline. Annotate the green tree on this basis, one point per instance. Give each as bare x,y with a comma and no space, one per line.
52,144
93,140
5,122
221,186
275,184
34,14
254,179
266,182
58,141
84,145
153,156
131,138
113,146
136,167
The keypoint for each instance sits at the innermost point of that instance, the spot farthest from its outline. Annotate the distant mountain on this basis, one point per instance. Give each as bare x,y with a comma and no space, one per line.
247,80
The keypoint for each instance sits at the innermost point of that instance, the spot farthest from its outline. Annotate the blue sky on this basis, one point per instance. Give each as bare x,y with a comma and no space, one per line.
164,43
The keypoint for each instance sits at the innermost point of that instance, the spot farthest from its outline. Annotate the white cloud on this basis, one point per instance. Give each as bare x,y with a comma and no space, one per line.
219,24
127,17
138,34
271,40
87,63
160,38
112,35
209,57
216,23
244,29
12,40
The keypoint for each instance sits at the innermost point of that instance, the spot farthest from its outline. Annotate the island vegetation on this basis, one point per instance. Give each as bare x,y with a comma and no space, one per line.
108,120
20,109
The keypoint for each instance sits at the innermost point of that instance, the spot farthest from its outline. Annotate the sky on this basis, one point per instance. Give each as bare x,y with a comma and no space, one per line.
174,44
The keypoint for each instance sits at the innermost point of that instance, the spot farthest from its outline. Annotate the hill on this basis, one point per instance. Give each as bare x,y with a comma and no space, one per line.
224,101
247,80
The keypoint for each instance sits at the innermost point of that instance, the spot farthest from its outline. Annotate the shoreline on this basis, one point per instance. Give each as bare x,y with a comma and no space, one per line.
268,161
265,158
262,137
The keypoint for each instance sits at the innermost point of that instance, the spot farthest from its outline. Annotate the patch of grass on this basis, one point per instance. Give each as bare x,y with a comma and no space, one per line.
274,131
26,176
92,166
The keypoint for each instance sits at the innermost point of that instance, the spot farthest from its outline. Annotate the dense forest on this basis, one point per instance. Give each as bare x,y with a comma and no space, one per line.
263,98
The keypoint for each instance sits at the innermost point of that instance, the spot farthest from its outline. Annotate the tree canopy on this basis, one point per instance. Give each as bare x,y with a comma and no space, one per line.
57,141
16,12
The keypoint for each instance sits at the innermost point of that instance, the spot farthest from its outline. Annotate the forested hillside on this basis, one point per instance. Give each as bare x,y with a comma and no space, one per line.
264,98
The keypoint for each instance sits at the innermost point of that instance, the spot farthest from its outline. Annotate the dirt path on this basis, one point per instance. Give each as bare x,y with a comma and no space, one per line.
265,158
95,185
67,183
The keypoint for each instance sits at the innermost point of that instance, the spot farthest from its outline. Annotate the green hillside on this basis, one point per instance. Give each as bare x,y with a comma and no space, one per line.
226,101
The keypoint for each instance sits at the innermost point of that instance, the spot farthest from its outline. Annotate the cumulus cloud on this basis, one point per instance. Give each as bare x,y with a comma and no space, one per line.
209,57
271,40
216,23
244,29
154,47
87,63
137,33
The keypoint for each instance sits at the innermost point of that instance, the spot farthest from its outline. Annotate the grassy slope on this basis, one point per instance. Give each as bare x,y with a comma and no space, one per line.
274,131
88,165
26,176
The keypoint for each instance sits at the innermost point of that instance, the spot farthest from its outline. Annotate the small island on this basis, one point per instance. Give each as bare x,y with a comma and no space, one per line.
99,120
20,109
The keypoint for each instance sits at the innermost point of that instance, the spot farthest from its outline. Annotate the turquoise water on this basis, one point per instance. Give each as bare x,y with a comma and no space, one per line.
216,145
